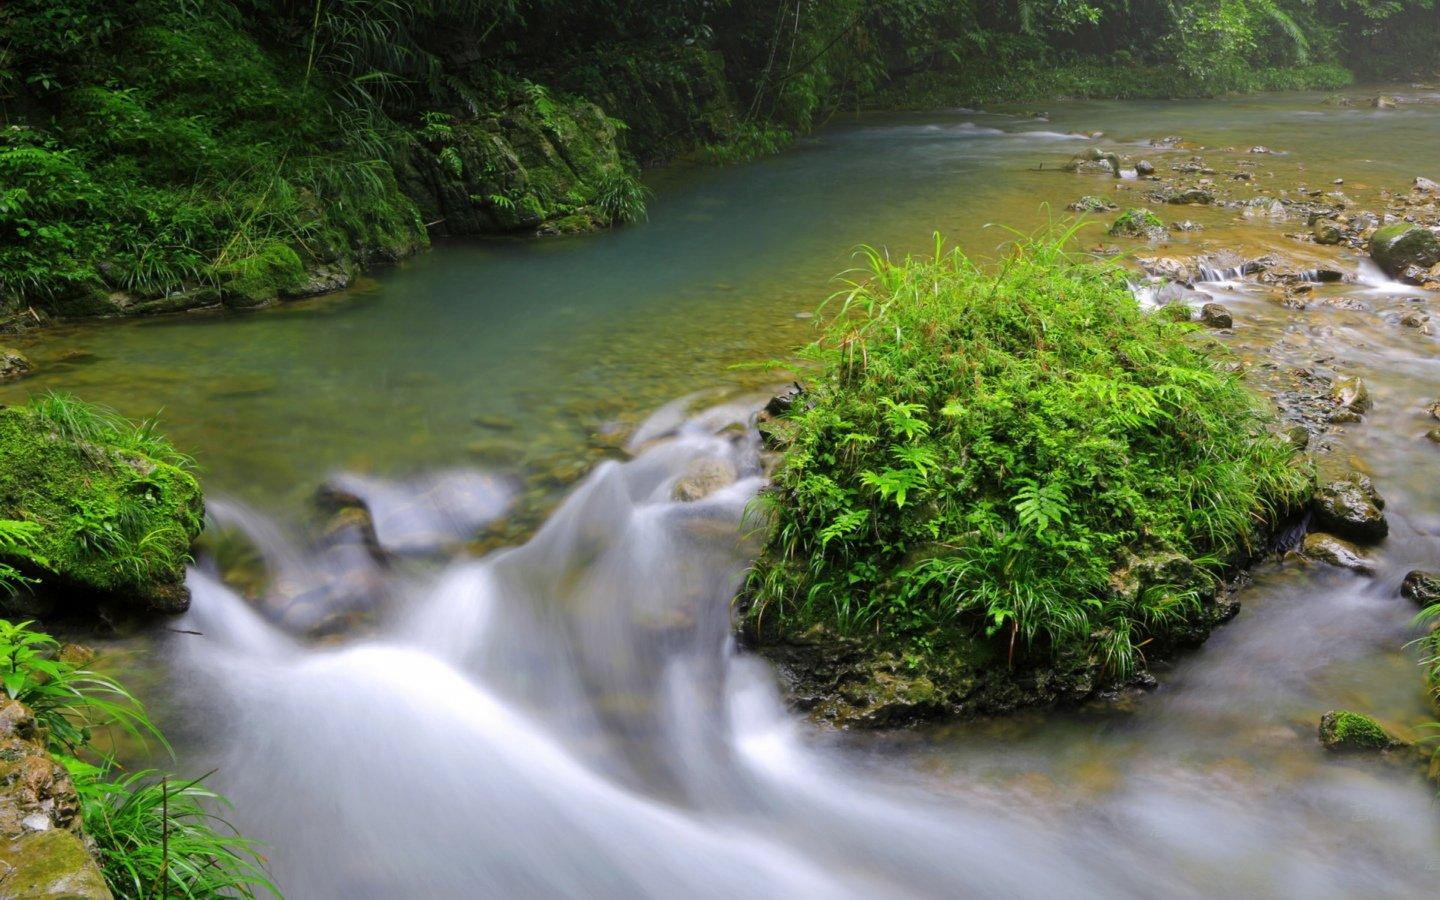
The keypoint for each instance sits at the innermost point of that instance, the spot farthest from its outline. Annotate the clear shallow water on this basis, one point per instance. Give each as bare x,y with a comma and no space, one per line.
567,718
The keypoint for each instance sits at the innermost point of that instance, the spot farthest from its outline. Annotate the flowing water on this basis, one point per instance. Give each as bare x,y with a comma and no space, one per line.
567,716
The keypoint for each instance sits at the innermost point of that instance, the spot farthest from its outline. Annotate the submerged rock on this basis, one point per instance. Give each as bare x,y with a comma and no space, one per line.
1093,161
702,478
1350,393
1342,730
1351,507
1421,587
1397,248
13,364
1326,232
1328,549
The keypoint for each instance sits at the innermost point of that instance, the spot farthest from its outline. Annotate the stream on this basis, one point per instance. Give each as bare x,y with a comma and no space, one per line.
565,713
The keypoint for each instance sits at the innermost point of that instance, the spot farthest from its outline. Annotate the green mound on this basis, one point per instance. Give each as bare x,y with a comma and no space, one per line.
110,510
994,472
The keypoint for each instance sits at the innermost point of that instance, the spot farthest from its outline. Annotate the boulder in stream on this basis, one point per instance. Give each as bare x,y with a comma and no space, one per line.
1215,315
1351,507
702,478
1338,552
1421,587
1342,730
1350,393
111,509
1396,248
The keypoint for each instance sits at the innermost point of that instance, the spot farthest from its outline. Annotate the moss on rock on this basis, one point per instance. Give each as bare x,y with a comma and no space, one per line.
116,510
1344,730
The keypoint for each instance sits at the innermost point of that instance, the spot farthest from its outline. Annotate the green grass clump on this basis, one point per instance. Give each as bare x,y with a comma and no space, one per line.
1018,459
621,196
154,835
107,505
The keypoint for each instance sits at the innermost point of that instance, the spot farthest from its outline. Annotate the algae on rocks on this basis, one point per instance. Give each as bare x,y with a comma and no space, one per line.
113,509
1001,487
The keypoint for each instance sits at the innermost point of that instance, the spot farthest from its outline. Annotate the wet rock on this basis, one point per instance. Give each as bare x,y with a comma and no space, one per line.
1396,248
1260,150
1326,232
1298,436
1334,551
1214,315
1416,320
1093,161
783,402
1139,223
1421,588
1090,203
1351,507
13,364
1186,225
702,478
1380,101
1350,393
51,863
1433,435
1144,168
1194,195
1342,730
1426,186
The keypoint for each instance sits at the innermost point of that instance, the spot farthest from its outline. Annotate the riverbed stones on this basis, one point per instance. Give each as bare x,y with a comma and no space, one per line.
1403,246
1215,315
13,364
1144,168
1421,587
1090,203
1326,232
702,478
1338,552
1345,731
1093,161
1141,223
1351,507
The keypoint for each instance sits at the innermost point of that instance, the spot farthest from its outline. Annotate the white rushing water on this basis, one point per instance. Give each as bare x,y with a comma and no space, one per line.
569,718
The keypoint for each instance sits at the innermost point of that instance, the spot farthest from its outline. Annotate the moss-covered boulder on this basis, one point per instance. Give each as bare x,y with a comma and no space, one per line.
111,508
1141,223
1397,247
999,488
1342,730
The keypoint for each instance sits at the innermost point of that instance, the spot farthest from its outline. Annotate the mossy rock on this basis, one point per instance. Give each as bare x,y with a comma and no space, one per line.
273,270
115,522
1342,730
1140,223
1397,247
51,863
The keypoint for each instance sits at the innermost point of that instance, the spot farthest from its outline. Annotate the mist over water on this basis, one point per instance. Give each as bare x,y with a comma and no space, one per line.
570,718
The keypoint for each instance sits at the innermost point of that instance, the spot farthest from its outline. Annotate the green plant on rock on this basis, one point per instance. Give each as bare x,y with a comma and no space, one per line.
621,196
1020,459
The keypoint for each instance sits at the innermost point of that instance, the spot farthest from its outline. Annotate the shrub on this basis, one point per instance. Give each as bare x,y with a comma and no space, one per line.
1020,458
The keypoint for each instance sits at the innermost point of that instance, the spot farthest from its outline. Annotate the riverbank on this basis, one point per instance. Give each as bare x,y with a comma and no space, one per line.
172,160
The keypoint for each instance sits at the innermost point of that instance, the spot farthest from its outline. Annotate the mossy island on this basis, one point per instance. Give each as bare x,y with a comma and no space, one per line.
1006,486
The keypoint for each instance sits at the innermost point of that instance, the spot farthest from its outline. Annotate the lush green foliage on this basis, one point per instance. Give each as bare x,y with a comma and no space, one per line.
158,836
154,836
67,699
214,150
1023,455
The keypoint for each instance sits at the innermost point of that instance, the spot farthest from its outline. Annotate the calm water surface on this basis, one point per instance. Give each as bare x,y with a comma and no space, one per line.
566,717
